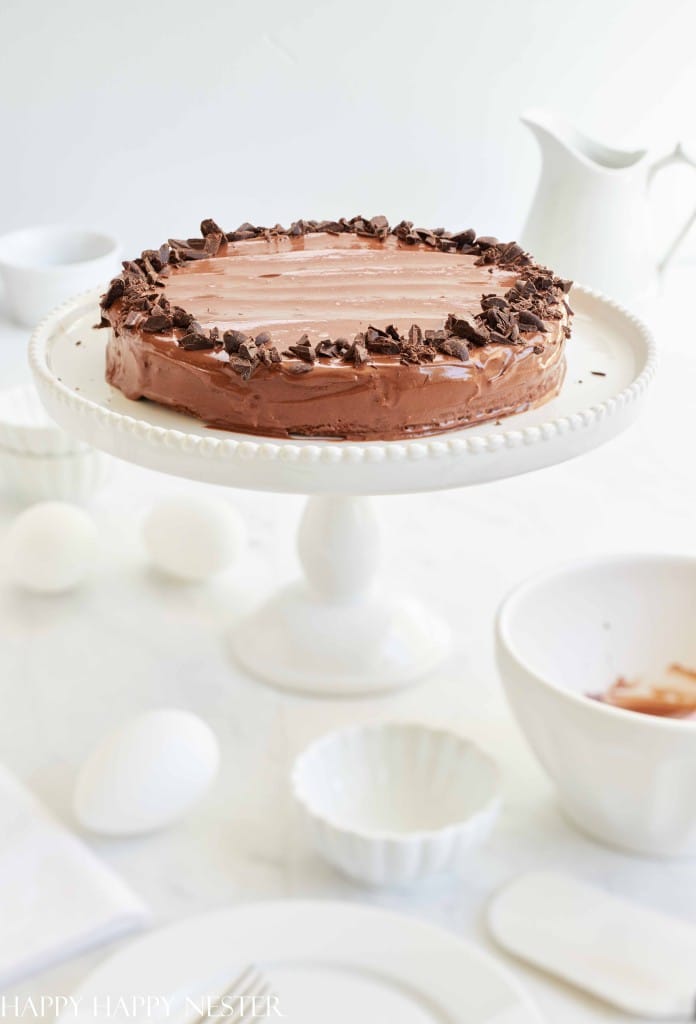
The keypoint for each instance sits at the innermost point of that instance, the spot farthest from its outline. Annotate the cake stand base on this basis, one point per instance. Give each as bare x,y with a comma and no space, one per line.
337,632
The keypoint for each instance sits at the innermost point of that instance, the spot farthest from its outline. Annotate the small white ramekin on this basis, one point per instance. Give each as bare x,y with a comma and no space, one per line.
394,803
628,779
27,429
30,478
43,266
38,459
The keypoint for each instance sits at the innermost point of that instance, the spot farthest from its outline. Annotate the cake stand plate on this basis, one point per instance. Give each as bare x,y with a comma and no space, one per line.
338,631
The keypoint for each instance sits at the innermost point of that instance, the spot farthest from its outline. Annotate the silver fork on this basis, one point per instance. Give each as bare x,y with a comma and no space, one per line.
248,998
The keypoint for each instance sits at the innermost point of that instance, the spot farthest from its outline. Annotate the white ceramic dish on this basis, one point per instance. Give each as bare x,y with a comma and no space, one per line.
325,961
394,803
26,427
38,459
29,478
42,266
625,778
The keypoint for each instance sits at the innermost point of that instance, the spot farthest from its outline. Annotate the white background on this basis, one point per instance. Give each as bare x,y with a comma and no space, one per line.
143,118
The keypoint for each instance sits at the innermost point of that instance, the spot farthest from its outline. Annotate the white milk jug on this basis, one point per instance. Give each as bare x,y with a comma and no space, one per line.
590,217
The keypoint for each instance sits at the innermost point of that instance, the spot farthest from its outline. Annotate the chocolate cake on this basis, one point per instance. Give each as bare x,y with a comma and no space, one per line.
337,329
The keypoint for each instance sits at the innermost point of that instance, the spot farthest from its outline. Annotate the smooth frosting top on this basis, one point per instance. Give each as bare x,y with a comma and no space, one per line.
330,286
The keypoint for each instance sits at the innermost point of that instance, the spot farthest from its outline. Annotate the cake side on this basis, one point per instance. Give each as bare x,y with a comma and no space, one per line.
329,331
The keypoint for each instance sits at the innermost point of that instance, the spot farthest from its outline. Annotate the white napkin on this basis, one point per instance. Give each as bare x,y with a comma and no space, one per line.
56,898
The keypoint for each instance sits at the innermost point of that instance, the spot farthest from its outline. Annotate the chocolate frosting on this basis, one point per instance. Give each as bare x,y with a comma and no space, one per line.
337,334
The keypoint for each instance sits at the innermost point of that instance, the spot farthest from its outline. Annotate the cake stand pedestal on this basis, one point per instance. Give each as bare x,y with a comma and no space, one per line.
340,631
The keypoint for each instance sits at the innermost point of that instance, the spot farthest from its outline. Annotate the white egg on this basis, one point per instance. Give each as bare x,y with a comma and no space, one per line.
147,774
51,547
193,537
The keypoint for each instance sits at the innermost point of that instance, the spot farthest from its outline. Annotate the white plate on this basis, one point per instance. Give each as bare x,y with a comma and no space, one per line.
327,962
590,410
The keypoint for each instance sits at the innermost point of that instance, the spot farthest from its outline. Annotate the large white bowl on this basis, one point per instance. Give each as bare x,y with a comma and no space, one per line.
628,779
393,803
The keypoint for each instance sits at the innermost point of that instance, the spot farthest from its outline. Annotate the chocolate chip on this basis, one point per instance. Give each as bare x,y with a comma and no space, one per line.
242,367
244,231
233,339
180,317
465,326
209,227
305,352
248,350
382,345
158,322
454,347
462,238
133,318
213,243
114,291
196,342
380,226
529,321
359,354
326,349
497,301
269,354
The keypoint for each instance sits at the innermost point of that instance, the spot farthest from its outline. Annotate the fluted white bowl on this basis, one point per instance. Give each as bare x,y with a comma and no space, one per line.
394,803
38,459
26,427
76,477
625,778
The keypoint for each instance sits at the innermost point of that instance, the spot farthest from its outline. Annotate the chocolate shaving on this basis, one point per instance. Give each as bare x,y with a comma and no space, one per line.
467,327
209,227
529,321
157,323
114,291
181,318
303,351
248,350
242,367
232,340
196,342
454,347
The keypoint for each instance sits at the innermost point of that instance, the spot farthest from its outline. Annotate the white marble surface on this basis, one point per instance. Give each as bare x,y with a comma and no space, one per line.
73,667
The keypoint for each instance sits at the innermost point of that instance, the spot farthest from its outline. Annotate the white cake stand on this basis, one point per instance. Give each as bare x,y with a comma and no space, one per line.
339,630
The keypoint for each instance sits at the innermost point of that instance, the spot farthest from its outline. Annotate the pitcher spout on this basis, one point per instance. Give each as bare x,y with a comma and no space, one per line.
560,140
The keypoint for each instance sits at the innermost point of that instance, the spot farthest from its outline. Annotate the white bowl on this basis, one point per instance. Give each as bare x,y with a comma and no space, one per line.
76,477
26,427
43,266
627,779
394,803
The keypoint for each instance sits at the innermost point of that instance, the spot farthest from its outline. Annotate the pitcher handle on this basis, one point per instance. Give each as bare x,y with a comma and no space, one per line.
677,156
